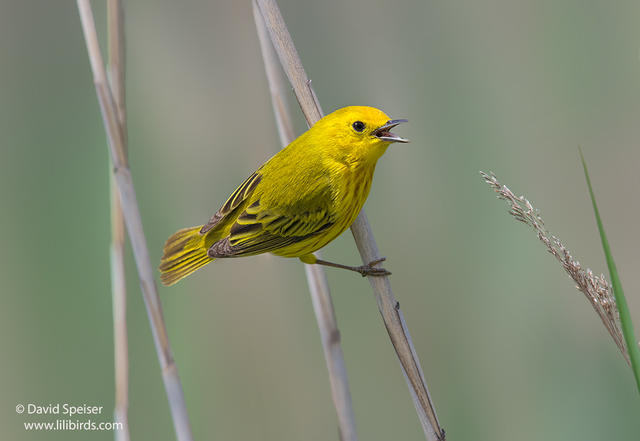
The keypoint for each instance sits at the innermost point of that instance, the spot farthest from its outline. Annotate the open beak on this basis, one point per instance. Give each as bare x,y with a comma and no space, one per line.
383,132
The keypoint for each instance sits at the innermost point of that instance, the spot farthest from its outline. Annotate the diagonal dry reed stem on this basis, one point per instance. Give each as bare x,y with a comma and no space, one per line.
126,192
115,29
362,233
277,88
596,289
316,276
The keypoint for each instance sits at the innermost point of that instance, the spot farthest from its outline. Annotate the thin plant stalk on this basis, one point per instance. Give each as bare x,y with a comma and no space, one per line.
119,296
362,233
126,192
115,29
621,302
316,276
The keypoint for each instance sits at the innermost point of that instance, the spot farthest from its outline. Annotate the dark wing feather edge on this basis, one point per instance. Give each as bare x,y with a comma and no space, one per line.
237,197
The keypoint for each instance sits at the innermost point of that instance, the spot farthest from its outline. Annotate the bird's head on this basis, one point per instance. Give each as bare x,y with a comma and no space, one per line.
358,133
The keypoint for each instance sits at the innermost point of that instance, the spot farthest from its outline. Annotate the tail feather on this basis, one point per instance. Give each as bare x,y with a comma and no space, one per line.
184,252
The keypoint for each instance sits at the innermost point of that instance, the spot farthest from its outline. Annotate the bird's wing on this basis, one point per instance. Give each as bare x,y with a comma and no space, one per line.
261,230
235,200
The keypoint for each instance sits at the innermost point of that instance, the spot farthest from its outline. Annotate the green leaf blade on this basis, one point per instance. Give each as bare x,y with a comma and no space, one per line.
621,302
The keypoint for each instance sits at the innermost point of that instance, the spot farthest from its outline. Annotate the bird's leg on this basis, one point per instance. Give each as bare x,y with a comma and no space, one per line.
365,270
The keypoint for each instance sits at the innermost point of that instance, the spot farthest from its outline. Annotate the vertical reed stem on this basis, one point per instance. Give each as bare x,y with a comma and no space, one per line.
115,29
131,212
362,233
316,276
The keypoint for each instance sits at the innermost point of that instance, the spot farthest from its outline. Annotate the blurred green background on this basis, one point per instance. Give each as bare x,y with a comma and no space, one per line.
510,349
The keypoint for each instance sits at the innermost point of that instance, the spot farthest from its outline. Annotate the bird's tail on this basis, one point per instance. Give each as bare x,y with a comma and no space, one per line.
184,252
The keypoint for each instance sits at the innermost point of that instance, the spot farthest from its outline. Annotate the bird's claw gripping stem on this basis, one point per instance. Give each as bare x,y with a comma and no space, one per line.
370,269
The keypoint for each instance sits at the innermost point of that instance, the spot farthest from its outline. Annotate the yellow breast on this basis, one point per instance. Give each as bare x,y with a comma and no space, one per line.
349,194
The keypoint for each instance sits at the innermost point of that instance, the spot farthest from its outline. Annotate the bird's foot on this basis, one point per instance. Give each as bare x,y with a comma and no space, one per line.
370,269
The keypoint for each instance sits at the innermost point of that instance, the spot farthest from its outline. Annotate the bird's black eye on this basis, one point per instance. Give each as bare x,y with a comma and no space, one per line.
358,126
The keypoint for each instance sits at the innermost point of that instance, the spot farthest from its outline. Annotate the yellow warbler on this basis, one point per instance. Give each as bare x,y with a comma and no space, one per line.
297,202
